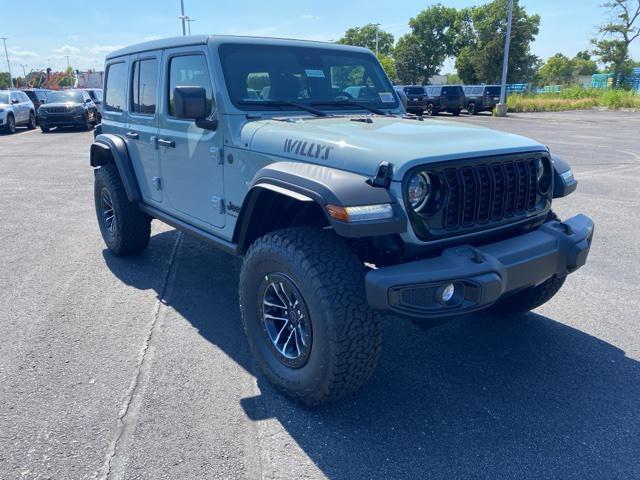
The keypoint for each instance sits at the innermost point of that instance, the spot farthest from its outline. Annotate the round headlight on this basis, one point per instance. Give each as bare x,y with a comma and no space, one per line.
418,190
543,175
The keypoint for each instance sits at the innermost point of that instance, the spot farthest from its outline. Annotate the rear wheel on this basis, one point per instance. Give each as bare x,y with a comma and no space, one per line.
125,229
471,108
11,124
305,314
32,121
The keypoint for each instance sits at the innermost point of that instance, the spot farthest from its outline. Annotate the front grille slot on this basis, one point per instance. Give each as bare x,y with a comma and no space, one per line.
57,109
488,192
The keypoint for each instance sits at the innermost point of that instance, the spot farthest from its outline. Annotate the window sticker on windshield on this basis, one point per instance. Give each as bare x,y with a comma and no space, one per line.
386,97
311,73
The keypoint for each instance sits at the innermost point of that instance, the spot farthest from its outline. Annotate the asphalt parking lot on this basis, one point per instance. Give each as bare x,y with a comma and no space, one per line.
138,368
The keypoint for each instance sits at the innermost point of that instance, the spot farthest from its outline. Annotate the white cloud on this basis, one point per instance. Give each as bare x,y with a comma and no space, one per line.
17,52
103,49
309,17
66,50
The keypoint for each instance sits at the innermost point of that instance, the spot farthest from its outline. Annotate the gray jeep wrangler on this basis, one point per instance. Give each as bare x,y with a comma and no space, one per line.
299,157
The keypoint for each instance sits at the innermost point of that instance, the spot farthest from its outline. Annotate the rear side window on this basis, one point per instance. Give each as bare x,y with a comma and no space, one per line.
114,92
478,90
493,90
414,91
143,86
190,71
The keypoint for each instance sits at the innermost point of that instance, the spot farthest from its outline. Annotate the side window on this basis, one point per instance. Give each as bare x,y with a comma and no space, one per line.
114,92
14,96
190,71
144,79
478,90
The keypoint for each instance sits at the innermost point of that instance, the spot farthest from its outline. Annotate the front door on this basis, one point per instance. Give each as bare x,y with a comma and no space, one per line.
142,129
190,160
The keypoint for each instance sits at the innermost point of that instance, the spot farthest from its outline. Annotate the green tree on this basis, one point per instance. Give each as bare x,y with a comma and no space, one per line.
482,34
389,65
614,37
583,64
5,80
366,37
435,30
408,69
69,78
559,69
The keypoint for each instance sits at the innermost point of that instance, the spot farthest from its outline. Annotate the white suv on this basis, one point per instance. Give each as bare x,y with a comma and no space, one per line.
16,109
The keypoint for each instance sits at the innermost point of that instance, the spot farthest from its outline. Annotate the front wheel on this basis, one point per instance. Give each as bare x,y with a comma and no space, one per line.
430,110
471,108
305,314
125,229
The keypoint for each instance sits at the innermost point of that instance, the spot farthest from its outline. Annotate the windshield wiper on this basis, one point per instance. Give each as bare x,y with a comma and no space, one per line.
351,103
285,103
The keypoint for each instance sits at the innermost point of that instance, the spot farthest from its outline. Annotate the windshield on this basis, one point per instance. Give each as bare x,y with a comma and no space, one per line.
258,76
414,90
4,97
59,97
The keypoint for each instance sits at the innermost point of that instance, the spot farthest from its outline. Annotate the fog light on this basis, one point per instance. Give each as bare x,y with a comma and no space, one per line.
447,293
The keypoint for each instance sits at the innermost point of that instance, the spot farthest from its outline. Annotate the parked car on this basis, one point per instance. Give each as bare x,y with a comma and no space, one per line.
481,98
341,208
444,98
38,96
403,96
16,109
68,108
417,99
96,96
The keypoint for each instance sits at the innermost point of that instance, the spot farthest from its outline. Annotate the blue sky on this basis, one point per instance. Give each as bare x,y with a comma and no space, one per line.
42,32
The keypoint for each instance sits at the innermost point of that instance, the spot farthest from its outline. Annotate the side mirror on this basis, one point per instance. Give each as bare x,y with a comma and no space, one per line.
41,102
191,103
14,101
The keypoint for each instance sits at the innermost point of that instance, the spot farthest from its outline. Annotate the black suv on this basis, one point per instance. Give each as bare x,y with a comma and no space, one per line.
38,96
444,98
68,108
416,99
481,98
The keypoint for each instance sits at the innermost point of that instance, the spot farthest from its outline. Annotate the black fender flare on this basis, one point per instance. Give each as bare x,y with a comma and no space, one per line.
324,185
107,148
563,185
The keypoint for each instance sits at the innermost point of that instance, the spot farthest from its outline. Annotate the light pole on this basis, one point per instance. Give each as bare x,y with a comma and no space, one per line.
182,17
501,108
68,64
24,72
377,25
189,20
6,53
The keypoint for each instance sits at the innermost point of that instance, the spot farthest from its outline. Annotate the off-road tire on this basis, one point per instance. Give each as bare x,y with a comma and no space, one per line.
86,126
532,297
32,121
132,228
346,339
471,109
11,124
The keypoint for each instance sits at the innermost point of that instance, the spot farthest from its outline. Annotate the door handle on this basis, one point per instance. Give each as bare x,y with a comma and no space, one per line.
132,135
166,143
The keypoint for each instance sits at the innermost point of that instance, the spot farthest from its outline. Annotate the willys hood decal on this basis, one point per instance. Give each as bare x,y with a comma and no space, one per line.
359,146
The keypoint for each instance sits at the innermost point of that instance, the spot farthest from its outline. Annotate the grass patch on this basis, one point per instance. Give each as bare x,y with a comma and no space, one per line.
574,98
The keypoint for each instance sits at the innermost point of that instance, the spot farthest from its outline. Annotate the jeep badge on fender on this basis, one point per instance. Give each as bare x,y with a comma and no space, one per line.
342,206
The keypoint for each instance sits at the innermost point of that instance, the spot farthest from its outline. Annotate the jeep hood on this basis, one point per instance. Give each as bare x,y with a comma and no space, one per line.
359,147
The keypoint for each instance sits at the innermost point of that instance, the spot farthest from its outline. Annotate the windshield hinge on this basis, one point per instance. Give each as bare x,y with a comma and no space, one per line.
383,176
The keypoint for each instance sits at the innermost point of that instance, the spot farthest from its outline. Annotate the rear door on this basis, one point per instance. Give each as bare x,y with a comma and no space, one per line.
142,126
190,157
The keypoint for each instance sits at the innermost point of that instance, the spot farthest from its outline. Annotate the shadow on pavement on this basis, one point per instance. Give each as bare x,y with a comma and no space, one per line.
480,397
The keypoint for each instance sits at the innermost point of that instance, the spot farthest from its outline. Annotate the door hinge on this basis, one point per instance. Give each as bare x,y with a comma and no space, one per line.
217,153
218,204
157,183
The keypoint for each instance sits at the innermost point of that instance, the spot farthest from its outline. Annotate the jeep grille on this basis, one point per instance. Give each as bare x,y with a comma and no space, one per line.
480,194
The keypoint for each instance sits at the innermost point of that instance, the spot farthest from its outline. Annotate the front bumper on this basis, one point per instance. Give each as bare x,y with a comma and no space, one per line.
62,120
481,275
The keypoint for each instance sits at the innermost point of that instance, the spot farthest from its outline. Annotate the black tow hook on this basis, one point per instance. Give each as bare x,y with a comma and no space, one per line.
472,253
